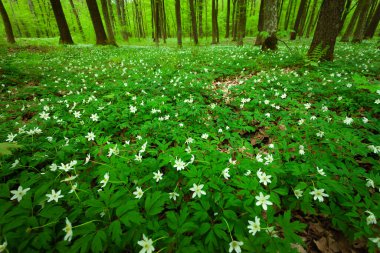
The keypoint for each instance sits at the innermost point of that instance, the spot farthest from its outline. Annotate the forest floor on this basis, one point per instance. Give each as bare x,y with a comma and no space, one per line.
189,148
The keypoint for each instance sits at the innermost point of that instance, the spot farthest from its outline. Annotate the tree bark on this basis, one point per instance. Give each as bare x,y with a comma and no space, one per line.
360,26
107,19
64,32
260,27
242,5
7,24
121,17
200,17
300,14
214,21
287,15
270,25
371,29
101,37
327,30
75,12
228,19
193,22
311,20
179,22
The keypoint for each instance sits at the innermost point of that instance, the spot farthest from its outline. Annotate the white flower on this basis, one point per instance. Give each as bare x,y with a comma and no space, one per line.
10,137
371,219
53,167
225,173
268,159
248,172
15,163
44,115
94,117
68,230
348,121
320,134
70,178
54,196
146,244
235,245
319,194
301,121
204,136
173,195
90,136
88,157
105,179
138,157
73,188
370,183
298,193
270,231
157,175
321,172
376,241
307,106
49,139
263,177
138,193
132,109
365,120
77,114
254,227
179,164
189,140
197,189
3,246
263,201
19,193
113,150
259,158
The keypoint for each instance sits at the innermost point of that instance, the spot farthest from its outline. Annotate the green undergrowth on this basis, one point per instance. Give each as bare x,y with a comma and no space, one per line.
199,149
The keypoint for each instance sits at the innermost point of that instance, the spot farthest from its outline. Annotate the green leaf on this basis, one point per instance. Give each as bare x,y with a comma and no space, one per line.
154,203
115,231
5,148
97,242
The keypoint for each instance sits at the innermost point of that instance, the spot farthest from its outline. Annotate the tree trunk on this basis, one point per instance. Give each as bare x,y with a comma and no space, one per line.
193,22
300,14
214,22
287,15
7,24
121,18
74,10
178,19
371,29
260,27
200,18
64,32
280,5
228,19
270,25
302,25
101,37
327,30
311,20
360,26
350,28
242,5
234,19
107,19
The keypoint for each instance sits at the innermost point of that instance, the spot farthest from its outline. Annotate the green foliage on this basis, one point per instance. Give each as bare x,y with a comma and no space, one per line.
6,148
181,141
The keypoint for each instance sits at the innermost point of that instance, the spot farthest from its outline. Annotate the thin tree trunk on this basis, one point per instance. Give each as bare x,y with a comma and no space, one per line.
327,30
200,18
350,28
360,26
370,32
75,12
260,27
228,19
107,19
300,14
234,19
193,22
213,20
64,32
241,20
101,37
7,24
121,18
178,19
311,20
287,15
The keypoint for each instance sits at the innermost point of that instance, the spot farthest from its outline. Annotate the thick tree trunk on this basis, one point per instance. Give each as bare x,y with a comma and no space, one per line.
75,12
241,19
193,22
179,22
64,32
234,19
228,19
260,27
350,28
371,29
360,26
101,37
107,19
327,30
7,24
214,22
270,25
300,14
301,28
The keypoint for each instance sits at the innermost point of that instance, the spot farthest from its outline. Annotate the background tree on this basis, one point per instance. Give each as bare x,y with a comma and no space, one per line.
75,12
64,31
328,26
300,15
7,24
107,18
351,26
260,26
270,25
370,31
360,26
242,6
179,22
101,37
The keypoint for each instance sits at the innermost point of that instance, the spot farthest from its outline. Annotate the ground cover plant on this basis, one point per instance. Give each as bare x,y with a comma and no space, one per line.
207,149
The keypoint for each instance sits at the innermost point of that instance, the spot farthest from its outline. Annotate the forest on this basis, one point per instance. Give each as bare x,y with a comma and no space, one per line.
190,126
